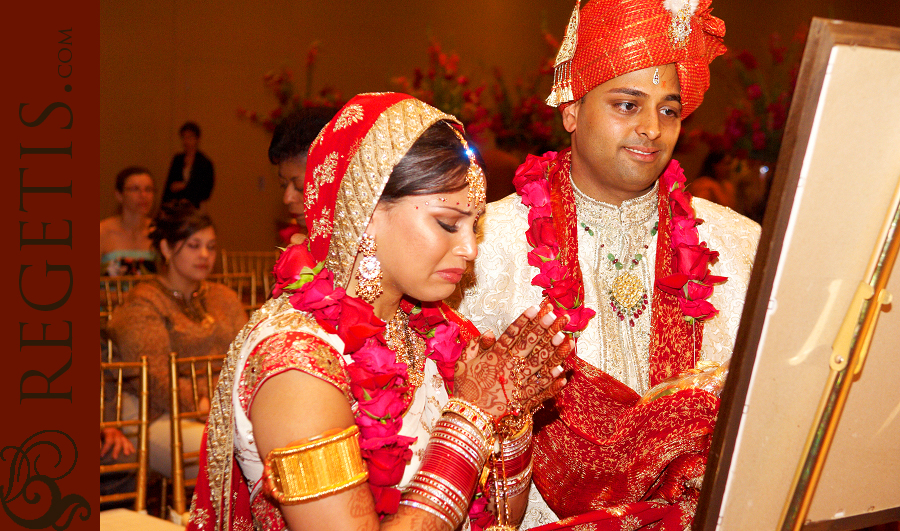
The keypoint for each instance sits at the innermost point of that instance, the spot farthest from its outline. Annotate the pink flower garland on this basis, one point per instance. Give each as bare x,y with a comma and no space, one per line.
559,285
691,283
377,381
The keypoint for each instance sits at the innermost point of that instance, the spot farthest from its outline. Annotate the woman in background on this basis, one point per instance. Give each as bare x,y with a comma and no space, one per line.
178,311
125,246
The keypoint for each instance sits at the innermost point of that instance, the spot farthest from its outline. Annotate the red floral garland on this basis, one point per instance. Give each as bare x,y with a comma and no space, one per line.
377,381
691,284
560,287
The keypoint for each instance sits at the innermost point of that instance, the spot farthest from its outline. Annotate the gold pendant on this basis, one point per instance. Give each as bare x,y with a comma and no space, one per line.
627,290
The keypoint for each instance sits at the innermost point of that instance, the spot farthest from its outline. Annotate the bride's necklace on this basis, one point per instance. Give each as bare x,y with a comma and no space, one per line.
408,346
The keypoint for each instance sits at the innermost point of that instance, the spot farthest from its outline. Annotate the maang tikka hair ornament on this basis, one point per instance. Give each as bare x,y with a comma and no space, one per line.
369,283
474,175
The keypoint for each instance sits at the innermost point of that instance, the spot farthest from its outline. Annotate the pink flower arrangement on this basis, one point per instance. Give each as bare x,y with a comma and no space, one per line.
691,283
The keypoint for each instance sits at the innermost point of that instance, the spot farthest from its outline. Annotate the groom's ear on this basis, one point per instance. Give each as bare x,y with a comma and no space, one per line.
570,116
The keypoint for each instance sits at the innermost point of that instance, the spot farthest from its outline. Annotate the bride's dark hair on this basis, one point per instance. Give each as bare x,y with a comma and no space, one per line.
436,163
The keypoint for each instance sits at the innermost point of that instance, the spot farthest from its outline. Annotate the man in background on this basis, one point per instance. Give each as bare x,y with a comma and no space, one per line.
288,150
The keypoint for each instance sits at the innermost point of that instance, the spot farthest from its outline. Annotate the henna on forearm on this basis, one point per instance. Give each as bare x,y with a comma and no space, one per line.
361,502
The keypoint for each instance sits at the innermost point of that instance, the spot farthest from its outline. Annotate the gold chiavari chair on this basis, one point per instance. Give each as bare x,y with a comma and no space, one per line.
115,373
113,290
243,283
204,372
259,263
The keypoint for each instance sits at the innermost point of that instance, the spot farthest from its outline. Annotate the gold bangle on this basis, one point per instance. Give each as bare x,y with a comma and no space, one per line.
474,414
325,465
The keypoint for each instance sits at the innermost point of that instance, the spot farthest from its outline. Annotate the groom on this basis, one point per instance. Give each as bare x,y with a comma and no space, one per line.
653,279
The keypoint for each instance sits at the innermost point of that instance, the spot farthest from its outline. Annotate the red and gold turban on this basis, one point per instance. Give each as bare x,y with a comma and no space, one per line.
609,38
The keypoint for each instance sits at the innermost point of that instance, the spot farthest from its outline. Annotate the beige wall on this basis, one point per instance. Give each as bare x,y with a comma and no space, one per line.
166,62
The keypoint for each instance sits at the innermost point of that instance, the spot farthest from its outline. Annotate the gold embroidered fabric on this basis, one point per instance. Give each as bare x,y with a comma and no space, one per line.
289,350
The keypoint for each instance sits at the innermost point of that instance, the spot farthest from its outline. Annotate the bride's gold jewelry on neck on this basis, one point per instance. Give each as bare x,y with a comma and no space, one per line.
409,348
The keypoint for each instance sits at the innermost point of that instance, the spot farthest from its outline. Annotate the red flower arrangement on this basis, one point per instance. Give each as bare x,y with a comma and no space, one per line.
281,84
442,86
522,121
377,381
761,93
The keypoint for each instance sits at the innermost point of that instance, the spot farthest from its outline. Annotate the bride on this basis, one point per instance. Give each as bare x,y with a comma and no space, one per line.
354,398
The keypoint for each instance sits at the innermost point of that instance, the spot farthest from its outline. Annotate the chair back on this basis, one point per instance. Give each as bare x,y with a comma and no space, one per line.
116,373
258,263
204,372
244,284
113,290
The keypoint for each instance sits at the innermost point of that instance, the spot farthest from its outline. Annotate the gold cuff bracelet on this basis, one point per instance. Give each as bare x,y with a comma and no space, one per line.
324,465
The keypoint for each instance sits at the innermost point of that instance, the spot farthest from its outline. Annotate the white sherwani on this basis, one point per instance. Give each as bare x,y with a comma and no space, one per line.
620,347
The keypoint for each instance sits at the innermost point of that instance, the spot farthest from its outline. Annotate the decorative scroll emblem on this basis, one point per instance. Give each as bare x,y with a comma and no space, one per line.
33,497
349,116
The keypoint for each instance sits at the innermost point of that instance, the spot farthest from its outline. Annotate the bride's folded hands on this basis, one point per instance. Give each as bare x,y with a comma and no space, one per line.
515,373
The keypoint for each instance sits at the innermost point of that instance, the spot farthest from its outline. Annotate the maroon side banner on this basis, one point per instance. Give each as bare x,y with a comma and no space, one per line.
49,389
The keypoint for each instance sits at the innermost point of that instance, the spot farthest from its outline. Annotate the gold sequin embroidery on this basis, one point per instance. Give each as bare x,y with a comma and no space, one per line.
349,116
322,225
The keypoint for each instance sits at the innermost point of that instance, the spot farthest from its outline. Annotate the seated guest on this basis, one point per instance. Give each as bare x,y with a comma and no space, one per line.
125,247
288,150
178,311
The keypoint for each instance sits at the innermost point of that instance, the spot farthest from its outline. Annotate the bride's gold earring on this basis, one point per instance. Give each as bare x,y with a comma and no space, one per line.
369,271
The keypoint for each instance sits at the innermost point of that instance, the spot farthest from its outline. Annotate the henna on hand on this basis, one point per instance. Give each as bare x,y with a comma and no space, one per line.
496,374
